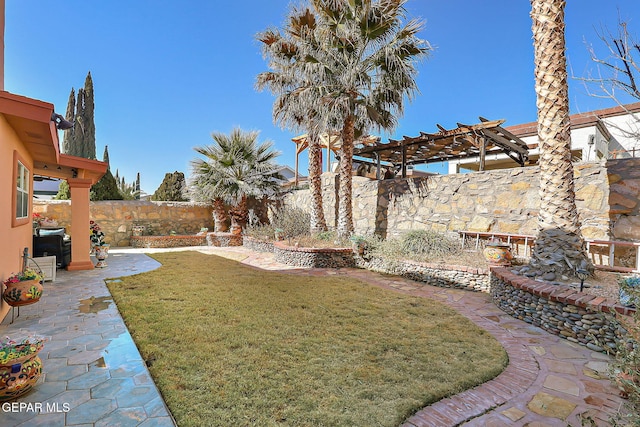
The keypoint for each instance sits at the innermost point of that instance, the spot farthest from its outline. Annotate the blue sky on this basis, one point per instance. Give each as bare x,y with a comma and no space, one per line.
168,73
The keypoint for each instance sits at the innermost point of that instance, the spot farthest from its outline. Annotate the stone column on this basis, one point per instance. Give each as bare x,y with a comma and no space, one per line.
80,243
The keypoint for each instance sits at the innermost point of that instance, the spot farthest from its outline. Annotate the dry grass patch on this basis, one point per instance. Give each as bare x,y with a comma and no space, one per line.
232,345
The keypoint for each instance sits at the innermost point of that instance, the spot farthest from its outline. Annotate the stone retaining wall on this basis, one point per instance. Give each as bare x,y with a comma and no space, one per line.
313,257
167,241
257,245
501,201
117,217
560,310
445,276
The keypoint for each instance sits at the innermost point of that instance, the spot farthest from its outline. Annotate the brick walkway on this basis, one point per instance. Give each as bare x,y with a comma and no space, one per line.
92,364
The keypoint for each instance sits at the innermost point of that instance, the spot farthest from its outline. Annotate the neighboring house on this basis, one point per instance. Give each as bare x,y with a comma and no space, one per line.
289,175
45,188
29,146
602,134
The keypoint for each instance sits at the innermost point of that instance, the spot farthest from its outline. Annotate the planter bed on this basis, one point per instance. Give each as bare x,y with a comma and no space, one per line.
446,276
167,241
313,257
223,239
561,310
257,245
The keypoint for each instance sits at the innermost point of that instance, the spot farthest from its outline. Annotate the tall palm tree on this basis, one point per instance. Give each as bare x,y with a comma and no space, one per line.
356,73
235,167
294,107
559,246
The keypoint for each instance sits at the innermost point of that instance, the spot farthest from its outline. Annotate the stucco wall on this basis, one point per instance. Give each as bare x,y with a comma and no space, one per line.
116,217
504,201
14,238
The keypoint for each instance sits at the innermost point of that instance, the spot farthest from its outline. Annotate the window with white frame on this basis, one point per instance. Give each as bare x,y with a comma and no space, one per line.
22,191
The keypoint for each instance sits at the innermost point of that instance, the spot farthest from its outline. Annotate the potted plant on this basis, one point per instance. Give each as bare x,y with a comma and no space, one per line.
498,252
99,247
358,244
23,288
20,366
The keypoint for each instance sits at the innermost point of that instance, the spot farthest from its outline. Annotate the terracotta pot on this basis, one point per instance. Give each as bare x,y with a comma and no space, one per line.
498,255
20,376
22,293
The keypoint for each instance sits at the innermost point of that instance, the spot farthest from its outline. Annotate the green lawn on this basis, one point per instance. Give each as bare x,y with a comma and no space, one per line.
230,345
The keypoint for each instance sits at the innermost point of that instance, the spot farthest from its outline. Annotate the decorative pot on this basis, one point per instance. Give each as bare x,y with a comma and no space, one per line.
19,378
498,254
101,253
358,248
19,375
137,230
22,293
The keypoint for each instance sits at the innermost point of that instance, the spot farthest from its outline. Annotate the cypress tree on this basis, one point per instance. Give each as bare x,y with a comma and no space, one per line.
107,188
171,188
89,126
68,139
137,188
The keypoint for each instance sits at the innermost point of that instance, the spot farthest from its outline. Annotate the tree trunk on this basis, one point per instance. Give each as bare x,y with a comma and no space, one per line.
239,216
345,213
318,223
219,217
559,246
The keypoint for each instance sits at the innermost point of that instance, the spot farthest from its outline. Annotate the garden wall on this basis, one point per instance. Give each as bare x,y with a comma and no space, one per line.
501,201
582,318
117,217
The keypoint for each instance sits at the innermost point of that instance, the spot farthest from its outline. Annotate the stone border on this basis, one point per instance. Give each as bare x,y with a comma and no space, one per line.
444,276
257,245
559,309
313,257
224,239
167,241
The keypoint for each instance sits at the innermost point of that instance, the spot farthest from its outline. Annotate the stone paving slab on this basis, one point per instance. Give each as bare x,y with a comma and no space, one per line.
93,374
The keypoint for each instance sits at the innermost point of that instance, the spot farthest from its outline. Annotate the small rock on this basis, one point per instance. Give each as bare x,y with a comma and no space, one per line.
549,277
515,272
565,278
594,347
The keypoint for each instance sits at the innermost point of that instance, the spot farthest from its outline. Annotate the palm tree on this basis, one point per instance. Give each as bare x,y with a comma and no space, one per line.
294,107
559,246
235,168
353,75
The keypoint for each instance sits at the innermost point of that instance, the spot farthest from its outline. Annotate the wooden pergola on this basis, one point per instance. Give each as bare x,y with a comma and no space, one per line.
331,142
465,141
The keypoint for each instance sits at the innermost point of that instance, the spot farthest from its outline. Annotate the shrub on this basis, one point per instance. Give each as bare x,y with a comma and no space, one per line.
626,369
293,222
418,245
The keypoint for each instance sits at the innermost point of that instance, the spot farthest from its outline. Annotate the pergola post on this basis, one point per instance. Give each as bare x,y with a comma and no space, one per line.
404,160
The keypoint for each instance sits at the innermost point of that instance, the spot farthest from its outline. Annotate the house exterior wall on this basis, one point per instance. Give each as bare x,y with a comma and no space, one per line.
14,238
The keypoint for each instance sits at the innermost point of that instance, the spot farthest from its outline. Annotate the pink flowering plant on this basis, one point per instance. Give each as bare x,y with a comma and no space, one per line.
97,235
27,274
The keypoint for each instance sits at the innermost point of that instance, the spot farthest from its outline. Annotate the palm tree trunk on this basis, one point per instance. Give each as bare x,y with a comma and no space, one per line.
239,215
219,216
559,247
345,212
318,223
